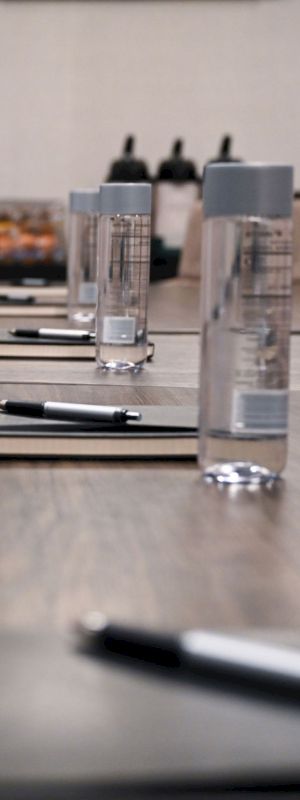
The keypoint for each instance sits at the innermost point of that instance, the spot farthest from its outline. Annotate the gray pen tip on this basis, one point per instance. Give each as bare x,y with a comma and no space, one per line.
135,415
12,332
2,405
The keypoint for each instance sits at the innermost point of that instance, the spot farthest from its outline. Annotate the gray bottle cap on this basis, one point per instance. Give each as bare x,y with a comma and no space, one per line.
84,201
257,190
125,198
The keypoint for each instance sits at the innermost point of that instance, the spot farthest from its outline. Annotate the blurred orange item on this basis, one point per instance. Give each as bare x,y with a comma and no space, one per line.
46,241
26,240
7,244
6,225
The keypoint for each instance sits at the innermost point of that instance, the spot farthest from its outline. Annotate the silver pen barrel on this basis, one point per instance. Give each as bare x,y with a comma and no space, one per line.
81,412
66,333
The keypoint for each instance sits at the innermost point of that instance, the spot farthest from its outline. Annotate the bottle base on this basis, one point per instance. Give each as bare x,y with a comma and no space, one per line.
83,317
121,358
239,472
120,366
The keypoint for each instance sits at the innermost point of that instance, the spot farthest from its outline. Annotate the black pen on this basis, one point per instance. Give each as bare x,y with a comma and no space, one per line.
21,299
54,333
74,412
220,661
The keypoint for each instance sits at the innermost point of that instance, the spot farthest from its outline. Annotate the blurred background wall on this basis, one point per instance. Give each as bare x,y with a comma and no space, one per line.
76,77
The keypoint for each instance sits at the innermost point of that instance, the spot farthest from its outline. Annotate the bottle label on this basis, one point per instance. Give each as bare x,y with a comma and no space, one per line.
260,411
88,293
119,330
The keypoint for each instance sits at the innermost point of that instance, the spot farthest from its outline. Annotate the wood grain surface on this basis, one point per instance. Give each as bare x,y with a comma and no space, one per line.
146,544
175,365
150,545
173,305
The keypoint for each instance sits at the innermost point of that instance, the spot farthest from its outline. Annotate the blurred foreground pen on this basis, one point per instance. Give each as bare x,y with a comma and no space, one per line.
74,412
210,659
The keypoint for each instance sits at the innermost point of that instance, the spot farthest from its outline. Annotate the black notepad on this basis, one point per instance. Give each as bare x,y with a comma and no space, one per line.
26,347
165,432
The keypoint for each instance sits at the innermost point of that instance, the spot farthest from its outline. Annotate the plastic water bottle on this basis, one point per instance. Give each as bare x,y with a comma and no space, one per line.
82,255
123,275
246,315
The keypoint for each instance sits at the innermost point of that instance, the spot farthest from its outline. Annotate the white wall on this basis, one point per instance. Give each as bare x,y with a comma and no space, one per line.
75,77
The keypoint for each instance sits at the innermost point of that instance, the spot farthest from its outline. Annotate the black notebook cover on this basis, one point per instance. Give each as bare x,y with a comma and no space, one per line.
164,432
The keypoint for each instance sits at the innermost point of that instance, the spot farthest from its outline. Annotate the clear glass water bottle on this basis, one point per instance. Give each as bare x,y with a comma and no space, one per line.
123,275
246,315
82,255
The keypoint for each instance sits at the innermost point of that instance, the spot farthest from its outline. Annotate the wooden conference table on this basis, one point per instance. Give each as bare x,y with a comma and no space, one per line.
147,543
